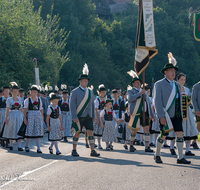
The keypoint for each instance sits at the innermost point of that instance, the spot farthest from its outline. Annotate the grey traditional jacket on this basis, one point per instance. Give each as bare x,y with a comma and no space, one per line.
76,97
45,104
133,95
162,91
196,96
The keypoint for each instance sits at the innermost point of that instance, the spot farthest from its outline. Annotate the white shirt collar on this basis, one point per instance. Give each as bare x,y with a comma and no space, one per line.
82,88
169,80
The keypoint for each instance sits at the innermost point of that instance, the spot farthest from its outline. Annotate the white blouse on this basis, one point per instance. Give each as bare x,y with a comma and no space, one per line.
49,111
26,102
102,113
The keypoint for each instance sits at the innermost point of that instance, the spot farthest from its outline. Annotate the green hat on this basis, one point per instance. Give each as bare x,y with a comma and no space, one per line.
114,91
134,79
5,87
54,96
65,91
83,77
108,100
169,66
101,88
21,90
85,73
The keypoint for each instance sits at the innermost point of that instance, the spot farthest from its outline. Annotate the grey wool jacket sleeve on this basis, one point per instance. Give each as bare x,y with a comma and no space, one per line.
195,98
73,104
158,100
132,97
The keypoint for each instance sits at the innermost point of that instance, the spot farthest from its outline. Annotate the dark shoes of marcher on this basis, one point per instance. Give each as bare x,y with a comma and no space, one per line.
74,153
172,152
158,159
189,153
183,161
94,153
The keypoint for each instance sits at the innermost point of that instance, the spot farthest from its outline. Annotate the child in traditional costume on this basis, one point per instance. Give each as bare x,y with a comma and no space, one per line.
109,133
14,117
3,99
99,106
65,113
33,118
54,123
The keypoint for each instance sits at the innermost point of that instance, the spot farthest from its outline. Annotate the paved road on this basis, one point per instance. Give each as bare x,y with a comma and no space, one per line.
117,169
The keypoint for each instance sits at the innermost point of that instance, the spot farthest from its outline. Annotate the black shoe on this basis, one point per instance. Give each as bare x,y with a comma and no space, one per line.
132,149
166,146
94,153
151,144
65,139
11,148
95,145
126,147
20,149
39,151
195,146
107,148
142,144
87,146
50,150
111,147
27,149
58,152
158,160
100,147
74,153
172,152
189,153
147,149
183,161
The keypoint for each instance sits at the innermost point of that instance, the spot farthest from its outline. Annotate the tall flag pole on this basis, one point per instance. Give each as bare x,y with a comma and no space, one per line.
37,77
145,46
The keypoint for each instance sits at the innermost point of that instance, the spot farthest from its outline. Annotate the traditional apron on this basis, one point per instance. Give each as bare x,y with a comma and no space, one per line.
81,108
171,101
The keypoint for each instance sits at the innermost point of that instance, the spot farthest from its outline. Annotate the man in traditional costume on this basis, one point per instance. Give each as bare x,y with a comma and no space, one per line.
196,104
135,102
168,105
82,111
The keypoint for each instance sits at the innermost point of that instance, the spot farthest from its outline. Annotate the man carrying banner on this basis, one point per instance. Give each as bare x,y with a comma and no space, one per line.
135,102
82,111
168,101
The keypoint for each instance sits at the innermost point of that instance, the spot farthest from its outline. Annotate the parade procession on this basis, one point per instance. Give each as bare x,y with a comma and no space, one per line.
123,126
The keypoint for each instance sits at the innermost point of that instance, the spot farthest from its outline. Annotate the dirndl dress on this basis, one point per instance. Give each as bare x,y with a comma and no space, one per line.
66,120
109,134
34,128
189,127
15,118
98,130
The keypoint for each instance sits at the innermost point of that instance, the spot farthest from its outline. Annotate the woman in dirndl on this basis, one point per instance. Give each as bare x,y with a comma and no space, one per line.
99,106
116,104
14,117
189,127
65,113
54,123
33,118
3,99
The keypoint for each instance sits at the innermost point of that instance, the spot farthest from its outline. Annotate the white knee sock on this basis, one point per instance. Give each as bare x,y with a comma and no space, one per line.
155,137
56,145
27,141
11,142
151,138
187,142
172,144
179,143
37,140
51,146
159,143
99,140
19,143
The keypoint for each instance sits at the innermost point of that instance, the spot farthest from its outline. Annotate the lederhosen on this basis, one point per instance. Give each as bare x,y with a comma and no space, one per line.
146,117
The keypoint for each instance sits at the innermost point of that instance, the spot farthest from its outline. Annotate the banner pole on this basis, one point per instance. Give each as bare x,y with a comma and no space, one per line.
143,76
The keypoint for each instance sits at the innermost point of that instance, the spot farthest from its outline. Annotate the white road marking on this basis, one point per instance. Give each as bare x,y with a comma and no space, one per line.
29,172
